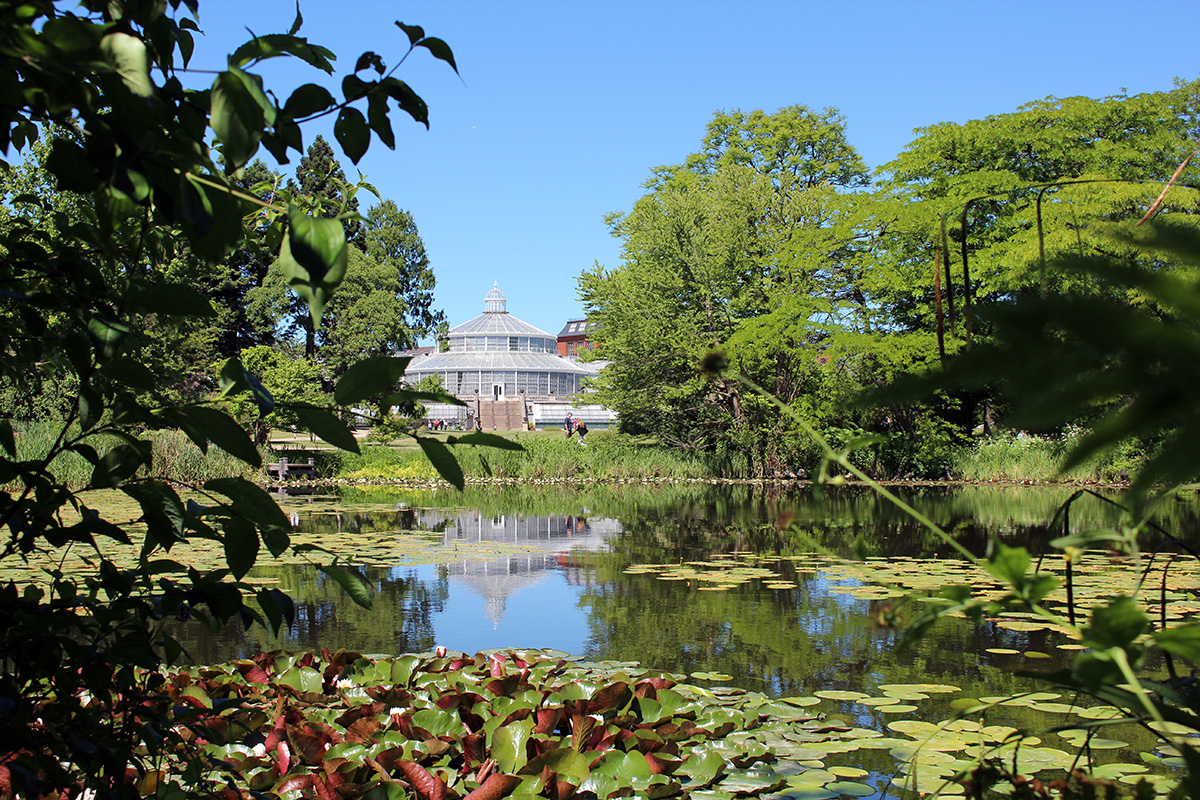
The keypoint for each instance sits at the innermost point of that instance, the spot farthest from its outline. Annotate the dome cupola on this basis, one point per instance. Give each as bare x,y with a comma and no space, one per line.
495,302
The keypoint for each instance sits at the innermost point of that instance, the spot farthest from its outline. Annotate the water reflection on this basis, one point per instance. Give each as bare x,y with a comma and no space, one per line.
518,567
547,541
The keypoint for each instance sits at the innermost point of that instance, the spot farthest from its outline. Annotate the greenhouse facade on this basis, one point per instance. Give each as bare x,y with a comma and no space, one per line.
496,356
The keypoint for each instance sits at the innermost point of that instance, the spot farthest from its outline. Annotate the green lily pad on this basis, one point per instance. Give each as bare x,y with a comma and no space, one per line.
803,702
831,694
852,788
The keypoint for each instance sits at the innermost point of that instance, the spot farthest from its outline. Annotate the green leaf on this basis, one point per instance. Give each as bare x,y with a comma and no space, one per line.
409,100
276,540
241,546
203,424
622,767
439,49
508,745
485,440
7,440
279,44
120,464
377,114
563,761
370,59
1117,624
171,298
314,259
126,55
233,377
368,378
415,33
278,607
327,426
133,374
1007,564
443,461
91,406
1182,640
162,510
250,500
353,133
237,118
211,217
1102,537
408,396
72,34
306,100
172,649
107,334
297,22
351,582
69,164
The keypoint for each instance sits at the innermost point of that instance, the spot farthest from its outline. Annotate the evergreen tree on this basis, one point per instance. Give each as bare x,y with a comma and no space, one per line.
321,177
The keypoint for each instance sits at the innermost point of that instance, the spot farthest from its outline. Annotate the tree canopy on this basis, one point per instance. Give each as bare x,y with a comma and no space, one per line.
770,247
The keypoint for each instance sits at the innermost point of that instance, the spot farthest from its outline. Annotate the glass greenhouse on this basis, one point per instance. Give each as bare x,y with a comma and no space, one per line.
497,356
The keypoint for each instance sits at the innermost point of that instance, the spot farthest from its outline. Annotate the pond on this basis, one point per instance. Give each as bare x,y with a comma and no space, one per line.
771,590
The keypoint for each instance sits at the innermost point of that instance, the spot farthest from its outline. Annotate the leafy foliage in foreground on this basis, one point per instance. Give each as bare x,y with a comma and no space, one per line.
443,726
147,171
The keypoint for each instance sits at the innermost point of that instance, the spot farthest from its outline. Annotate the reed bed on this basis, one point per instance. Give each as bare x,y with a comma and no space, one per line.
174,456
1036,459
606,455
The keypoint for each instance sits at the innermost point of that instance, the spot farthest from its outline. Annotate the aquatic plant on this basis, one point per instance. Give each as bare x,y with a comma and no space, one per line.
535,723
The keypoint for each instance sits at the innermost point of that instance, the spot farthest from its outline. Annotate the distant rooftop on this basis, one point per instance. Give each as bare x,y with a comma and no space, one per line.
576,327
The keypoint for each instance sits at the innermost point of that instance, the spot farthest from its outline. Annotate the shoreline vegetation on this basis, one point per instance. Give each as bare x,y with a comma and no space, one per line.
609,457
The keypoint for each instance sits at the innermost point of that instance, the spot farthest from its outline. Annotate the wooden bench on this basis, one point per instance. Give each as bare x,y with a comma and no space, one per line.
283,469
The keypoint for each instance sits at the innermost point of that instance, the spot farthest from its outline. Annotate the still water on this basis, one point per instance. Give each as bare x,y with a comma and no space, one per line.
767,590
563,568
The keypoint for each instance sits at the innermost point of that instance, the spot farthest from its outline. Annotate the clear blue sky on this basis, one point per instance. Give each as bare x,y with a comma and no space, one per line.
564,107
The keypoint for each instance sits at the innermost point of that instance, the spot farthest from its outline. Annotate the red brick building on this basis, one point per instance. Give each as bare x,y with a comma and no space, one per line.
573,338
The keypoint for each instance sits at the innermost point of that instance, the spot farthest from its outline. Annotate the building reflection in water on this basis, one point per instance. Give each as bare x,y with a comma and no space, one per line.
552,543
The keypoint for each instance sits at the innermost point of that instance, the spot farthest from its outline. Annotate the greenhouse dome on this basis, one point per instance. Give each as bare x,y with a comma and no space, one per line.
497,356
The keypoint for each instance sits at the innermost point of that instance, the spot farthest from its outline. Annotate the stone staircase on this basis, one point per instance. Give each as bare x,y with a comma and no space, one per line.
501,415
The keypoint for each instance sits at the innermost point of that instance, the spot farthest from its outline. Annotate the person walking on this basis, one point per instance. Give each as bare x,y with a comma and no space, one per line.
569,425
581,429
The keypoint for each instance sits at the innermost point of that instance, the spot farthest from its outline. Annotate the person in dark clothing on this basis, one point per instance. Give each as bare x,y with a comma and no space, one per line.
581,429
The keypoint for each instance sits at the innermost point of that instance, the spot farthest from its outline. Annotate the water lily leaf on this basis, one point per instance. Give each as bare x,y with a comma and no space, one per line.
427,786
806,793
497,786
752,782
852,788
703,766
831,694
508,745
563,761
624,768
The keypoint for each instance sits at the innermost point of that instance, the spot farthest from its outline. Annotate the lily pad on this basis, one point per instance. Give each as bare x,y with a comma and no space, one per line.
831,694
852,788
